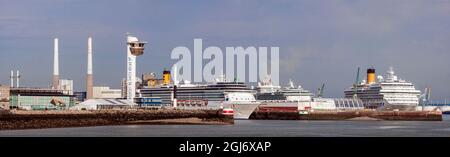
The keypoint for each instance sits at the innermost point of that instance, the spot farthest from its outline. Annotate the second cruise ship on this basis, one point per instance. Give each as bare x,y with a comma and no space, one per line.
215,95
387,93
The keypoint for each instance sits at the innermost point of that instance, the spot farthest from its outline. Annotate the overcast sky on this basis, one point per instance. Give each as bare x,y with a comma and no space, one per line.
321,41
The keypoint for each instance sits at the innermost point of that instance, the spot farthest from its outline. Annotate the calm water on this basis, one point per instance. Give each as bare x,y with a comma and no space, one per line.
258,128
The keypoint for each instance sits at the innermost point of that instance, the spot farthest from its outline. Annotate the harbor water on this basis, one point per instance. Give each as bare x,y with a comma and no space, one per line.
257,128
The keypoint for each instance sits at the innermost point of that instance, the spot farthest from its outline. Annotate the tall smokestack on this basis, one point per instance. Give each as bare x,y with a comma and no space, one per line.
89,78
55,84
18,78
12,79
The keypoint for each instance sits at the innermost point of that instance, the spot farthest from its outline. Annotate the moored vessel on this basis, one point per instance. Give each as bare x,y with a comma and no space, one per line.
297,99
220,94
385,93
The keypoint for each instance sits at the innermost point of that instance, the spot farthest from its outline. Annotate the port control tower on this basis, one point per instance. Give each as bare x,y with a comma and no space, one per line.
134,48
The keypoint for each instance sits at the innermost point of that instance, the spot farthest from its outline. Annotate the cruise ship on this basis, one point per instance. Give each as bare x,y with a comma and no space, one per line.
386,93
297,99
215,95
276,98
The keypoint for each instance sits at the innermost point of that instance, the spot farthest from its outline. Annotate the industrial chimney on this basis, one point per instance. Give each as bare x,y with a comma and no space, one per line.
18,79
12,79
55,84
89,78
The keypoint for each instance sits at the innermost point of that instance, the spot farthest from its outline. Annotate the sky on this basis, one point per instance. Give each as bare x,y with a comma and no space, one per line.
321,41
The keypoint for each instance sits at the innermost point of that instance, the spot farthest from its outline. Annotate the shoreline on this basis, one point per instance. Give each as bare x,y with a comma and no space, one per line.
20,120
178,121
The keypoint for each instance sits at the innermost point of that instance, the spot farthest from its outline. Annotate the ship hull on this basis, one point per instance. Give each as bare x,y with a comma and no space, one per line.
242,110
390,107
281,106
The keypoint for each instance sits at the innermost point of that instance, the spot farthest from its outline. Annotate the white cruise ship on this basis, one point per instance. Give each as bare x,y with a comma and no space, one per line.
294,99
216,95
387,92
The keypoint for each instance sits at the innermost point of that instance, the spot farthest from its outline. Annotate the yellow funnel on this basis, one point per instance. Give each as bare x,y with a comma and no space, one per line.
371,76
166,77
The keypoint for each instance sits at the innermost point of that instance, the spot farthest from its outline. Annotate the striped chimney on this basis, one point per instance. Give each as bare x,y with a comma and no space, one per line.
89,77
55,84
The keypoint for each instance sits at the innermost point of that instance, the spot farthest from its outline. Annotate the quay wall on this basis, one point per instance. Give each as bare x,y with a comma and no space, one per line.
349,115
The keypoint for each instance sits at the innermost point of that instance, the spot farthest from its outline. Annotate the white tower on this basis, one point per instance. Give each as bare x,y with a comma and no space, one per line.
18,79
134,48
55,84
12,79
89,77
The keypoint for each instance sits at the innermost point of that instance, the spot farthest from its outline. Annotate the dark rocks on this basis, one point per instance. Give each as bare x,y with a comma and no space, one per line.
52,119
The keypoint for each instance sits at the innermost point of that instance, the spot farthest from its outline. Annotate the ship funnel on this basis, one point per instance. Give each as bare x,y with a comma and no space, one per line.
371,78
166,77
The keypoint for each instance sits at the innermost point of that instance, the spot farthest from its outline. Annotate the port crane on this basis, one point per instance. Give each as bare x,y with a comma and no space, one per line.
355,95
425,97
320,91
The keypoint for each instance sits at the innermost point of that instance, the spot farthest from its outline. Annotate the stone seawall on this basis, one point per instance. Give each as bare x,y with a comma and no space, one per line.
56,119
351,115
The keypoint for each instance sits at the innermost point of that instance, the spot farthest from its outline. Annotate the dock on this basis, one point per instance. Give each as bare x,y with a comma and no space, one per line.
350,115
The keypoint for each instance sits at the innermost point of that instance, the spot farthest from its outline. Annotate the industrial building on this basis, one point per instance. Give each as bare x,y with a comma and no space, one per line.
124,86
66,86
59,96
104,104
40,99
4,97
103,92
79,97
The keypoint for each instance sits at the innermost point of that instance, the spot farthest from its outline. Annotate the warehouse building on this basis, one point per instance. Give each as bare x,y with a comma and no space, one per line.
4,97
104,104
103,92
40,99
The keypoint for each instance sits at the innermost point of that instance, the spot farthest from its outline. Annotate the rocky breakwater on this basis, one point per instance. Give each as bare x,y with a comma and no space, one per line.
55,119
